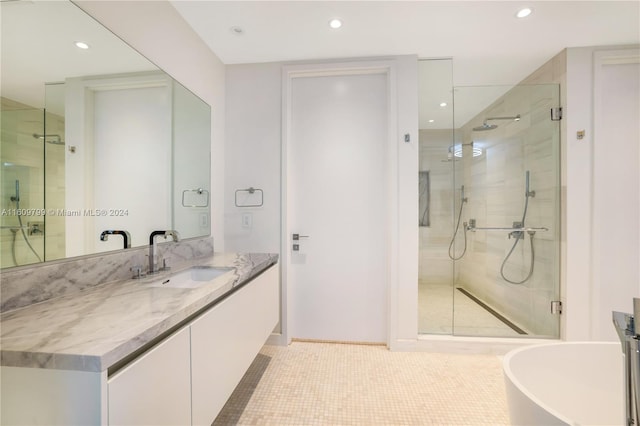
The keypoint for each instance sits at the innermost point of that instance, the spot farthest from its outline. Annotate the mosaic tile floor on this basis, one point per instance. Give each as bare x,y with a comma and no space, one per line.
338,384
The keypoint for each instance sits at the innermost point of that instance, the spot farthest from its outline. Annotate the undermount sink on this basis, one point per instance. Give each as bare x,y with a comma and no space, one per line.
194,277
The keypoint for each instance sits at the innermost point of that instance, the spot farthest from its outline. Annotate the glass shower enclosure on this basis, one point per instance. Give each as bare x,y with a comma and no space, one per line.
489,221
32,164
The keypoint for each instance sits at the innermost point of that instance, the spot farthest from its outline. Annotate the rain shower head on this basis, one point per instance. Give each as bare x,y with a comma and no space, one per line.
487,126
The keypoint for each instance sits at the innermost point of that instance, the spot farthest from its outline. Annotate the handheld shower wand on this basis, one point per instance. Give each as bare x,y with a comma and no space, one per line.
518,235
16,199
452,255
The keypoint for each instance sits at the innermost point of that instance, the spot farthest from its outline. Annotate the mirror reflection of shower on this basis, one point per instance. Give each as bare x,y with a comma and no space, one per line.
520,235
451,252
16,199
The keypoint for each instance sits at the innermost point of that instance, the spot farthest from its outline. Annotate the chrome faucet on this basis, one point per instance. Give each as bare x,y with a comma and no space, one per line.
125,236
626,326
153,261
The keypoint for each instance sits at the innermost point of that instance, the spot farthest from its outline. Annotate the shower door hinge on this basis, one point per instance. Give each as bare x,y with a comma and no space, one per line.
556,114
556,307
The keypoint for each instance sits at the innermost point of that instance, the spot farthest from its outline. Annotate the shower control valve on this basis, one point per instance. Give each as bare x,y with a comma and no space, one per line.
472,225
517,234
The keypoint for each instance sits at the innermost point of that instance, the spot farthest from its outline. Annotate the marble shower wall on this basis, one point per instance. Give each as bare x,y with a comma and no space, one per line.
26,285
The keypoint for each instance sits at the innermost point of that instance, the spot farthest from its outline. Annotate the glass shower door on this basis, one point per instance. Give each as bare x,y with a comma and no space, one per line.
509,147
489,218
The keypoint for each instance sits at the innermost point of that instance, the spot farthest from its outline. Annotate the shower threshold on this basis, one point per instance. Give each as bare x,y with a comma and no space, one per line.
492,311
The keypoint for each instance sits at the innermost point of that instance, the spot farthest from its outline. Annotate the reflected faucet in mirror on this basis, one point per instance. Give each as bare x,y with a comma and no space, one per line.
104,236
153,258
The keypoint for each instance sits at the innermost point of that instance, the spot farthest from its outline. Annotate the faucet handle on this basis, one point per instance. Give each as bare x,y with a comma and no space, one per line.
165,267
137,272
173,234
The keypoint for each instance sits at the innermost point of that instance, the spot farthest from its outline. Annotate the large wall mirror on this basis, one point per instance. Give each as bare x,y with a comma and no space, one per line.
94,139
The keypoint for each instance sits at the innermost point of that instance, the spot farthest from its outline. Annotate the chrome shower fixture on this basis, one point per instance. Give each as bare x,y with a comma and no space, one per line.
487,126
57,140
463,199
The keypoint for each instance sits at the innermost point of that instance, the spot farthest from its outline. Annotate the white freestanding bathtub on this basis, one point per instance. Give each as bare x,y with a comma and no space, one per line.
566,383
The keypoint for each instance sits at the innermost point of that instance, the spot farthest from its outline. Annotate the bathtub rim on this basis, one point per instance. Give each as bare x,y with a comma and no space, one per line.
506,368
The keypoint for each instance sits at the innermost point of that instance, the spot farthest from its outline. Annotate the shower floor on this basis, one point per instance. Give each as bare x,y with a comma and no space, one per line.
442,309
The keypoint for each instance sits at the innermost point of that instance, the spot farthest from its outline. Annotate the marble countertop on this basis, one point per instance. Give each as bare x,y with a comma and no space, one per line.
94,329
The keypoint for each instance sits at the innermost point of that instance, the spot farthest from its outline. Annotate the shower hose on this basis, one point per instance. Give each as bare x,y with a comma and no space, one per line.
515,243
452,255
24,235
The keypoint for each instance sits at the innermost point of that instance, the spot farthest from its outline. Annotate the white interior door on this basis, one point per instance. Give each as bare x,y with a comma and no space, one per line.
337,196
616,187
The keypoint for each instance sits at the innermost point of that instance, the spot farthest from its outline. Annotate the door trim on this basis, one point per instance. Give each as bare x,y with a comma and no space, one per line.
291,72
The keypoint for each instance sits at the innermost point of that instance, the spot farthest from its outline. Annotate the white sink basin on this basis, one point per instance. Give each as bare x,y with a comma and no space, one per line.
193,277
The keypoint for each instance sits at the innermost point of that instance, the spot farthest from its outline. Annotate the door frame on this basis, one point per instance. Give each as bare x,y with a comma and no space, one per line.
289,73
80,188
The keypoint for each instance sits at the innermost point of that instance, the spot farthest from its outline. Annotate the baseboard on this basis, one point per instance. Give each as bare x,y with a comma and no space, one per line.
464,345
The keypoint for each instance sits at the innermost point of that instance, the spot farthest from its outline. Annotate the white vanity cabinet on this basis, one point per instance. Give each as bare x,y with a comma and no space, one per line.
154,389
188,377
226,339
184,379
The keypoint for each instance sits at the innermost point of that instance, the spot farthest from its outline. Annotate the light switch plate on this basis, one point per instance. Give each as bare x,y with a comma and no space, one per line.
247,220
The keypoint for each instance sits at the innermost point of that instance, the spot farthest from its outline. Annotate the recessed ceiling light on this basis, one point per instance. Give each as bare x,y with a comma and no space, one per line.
443,104
431,121
236,30
82,45
335,23
523,13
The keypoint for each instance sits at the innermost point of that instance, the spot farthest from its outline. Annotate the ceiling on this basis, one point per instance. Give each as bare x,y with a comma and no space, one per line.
38,49
488,44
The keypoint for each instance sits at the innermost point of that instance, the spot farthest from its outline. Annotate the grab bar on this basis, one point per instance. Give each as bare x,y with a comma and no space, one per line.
511,229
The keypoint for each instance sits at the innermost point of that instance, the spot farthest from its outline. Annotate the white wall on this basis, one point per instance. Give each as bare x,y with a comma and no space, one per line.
616,165
587,311
254,97
252,153
404,299
157,31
